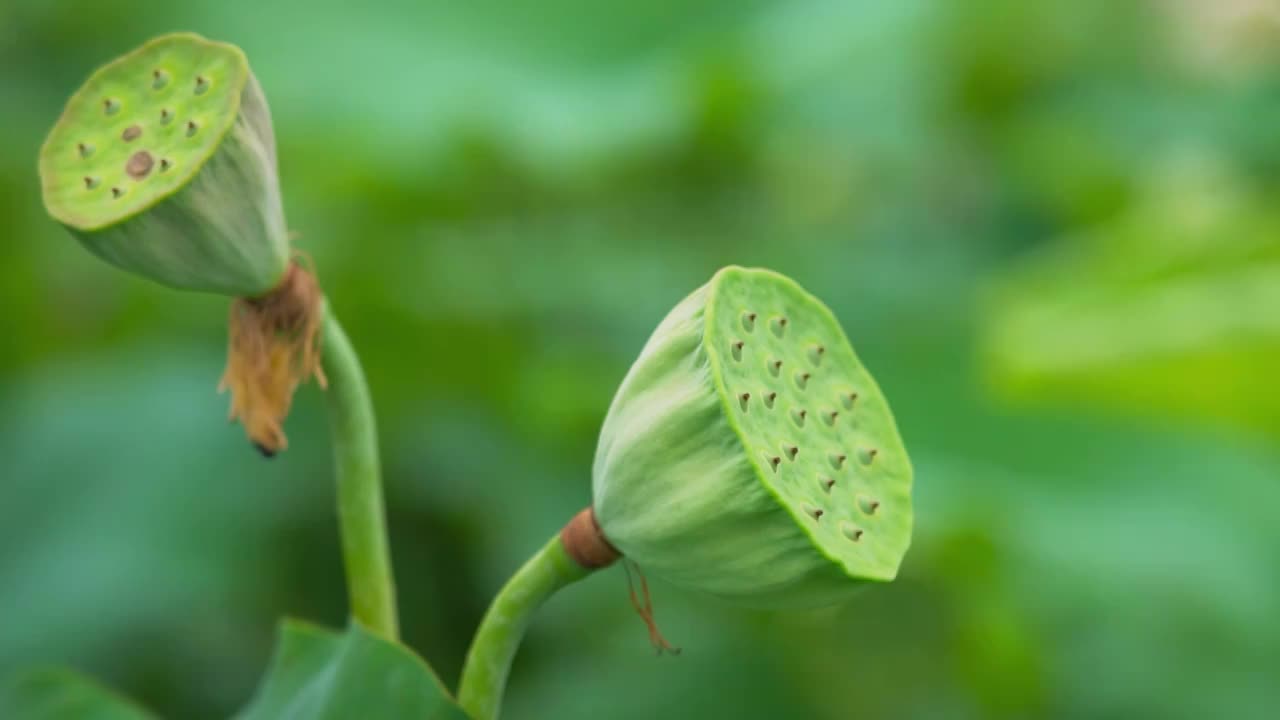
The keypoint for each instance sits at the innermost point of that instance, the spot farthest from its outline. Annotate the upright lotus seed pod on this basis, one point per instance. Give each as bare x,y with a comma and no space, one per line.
749,454
164,164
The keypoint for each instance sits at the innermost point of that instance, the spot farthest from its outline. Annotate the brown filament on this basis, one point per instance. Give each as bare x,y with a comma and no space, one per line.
645,610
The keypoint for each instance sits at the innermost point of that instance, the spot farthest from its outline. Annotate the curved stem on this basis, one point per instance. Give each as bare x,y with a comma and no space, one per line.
361,517
484,676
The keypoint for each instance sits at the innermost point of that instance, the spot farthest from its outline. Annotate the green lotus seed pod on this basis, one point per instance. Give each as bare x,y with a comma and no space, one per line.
164,164
748,454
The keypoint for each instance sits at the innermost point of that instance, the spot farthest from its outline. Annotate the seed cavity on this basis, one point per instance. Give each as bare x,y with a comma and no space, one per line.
749,321
792,451
815,354
849,400
139,165
116,192
110,106
159,79
837,460
165,116
737,350
830,417
131,133
798,416
826,483
802,379
192,127
774,462
814,512
851,531
84,150
868,455
90,182
743,399
775,367
779,326
165,164
202,84
867,505
769,399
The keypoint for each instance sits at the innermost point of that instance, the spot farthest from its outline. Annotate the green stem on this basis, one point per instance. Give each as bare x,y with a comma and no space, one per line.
361,517
484,676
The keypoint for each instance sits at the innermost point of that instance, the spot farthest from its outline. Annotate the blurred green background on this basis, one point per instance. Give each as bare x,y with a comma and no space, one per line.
1050,229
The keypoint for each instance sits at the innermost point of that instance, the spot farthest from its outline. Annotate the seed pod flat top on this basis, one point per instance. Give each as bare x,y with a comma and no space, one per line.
140,129
750,455
813,421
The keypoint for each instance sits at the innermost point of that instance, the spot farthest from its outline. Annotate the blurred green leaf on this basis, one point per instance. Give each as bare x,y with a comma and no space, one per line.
322,675
55,694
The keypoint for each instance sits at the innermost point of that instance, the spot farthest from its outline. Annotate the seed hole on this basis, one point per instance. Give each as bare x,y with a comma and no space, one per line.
165,164
90,182
749,321
826,483
737,350
165,116
837,460
775,367
159,79
116,192
867,456
131,133
814,512
774,462
798,416
779,326
139,165
769,399
742,400
830,417
849,400
802,379
868,506
792,451
202,84
851,531
110,106
84,150
191,128
816,353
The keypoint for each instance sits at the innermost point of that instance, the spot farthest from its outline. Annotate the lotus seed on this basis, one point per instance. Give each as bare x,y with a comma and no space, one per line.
779,325
827,483
768,399
802,379
159,79
815,354
749,321
737,350
831,417
165,116
165,164
851,531
837,460
85,150
110,106
798,417
849,400
191,128
90,182
116,192
139,165
868,506
814,512
775,367
866,456
201,85
792,451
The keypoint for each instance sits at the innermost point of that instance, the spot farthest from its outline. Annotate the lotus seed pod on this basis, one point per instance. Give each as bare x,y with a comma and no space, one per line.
164,164
749,454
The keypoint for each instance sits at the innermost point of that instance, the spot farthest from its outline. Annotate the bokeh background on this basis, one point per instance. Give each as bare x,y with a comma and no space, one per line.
1051,230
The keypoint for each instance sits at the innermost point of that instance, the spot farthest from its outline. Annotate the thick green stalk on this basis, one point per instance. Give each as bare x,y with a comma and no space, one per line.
484,676
361,517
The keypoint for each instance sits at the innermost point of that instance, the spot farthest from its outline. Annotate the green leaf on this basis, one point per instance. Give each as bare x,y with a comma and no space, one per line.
1173,309
321,675
54,694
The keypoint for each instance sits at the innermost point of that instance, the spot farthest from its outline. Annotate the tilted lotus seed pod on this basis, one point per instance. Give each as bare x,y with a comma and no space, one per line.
164,164
749,454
